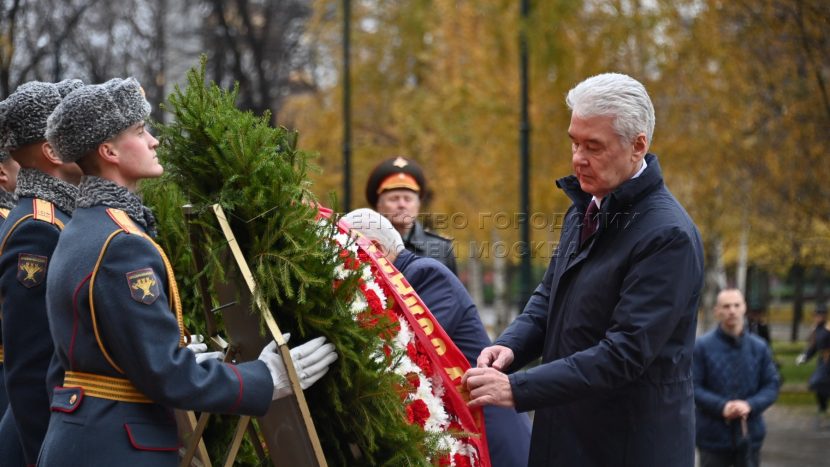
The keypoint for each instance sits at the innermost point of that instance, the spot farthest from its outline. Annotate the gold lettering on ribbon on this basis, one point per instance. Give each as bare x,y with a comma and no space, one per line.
454,372
440,346
386,267
400,287
427,325
412,303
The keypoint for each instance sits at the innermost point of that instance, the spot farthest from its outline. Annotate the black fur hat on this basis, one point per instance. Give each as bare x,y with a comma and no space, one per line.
24,113
93,114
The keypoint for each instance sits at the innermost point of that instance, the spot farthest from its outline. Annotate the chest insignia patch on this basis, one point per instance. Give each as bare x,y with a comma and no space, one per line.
31,269
144,285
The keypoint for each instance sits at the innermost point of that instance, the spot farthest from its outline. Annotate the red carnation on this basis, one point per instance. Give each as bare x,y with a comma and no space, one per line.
417,412
414,380
461,461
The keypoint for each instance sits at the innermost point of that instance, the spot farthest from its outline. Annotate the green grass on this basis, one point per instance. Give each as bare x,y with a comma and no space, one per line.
794,390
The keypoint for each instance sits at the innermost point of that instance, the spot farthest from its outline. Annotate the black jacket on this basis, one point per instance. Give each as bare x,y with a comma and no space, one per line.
614,323
431,245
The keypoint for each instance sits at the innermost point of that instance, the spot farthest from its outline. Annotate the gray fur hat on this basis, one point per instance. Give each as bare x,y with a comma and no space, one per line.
4,155
93,114
24,113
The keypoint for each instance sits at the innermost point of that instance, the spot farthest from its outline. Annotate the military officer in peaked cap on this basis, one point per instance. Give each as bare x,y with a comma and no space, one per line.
395,189
115,311
46,198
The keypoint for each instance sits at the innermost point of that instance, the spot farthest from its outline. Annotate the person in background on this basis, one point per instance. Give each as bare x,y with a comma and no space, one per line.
735,382
818,345
46,190
395,188
508,432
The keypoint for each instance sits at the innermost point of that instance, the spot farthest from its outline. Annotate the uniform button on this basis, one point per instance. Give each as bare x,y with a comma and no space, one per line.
73,398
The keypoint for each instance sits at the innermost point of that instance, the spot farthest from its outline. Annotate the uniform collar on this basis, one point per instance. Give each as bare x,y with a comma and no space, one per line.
32,183
416,234
100,191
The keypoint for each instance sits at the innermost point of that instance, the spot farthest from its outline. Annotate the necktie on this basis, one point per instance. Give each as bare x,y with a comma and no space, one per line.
589,222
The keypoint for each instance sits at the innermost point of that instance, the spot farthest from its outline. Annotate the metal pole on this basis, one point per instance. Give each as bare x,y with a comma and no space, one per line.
347,109
524,147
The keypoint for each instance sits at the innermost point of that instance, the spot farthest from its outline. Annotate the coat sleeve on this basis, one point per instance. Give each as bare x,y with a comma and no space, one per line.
768,384
431,285
143,339
658,296
705,399
526,334
811,349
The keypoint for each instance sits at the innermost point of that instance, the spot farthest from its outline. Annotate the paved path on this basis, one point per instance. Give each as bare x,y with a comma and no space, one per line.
792,439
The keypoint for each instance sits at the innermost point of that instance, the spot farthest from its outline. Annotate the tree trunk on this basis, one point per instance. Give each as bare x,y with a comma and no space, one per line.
500,303
797,275
821,295
743,254
714,279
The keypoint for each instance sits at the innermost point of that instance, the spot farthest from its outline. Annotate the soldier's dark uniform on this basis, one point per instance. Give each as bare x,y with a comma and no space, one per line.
11,451
7,202
420,241
116,321
27,239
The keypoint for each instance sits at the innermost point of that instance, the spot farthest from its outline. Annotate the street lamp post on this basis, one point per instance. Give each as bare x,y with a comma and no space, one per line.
524,148
347,109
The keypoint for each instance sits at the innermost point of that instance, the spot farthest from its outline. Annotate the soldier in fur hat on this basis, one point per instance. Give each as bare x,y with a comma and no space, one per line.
46,192
395,188
8,180
124,346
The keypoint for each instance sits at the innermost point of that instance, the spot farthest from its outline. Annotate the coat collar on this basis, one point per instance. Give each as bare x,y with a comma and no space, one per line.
629,192
734,341
404,258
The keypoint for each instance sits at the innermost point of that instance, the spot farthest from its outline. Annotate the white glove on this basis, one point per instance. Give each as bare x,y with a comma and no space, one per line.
800,359
311,362
200,350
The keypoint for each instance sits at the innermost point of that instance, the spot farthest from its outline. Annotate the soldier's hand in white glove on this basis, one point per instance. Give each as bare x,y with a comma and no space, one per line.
199,348
800,359
311,362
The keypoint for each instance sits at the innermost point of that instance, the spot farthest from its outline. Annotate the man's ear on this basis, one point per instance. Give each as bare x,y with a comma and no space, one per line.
380,247
4,175
640,146
107,152
50,154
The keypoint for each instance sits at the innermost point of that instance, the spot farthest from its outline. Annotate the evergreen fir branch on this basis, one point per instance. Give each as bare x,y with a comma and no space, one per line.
214,152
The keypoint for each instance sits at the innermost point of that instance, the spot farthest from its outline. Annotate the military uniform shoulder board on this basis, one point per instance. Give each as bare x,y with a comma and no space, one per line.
123,220
43,210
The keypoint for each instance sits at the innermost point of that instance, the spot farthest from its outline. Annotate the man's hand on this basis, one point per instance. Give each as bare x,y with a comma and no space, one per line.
311,362
800,359
488,386
736,409
495,356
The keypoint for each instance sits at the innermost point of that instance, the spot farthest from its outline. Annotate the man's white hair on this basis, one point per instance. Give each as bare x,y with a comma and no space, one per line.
615,95
375,227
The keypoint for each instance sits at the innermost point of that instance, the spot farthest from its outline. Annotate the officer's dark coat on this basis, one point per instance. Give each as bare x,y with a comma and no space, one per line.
28,241
430,245
508,432
4,400
133,334
11,451
614,322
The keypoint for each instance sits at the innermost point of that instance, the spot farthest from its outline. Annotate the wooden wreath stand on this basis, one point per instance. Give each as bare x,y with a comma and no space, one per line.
286,429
